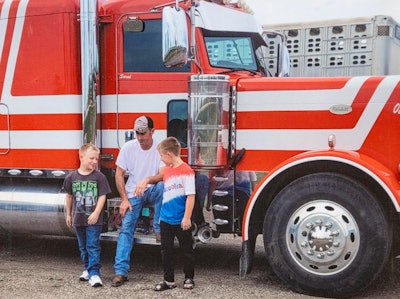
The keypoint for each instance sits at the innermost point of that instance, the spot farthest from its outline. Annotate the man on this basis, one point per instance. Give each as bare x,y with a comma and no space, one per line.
141,160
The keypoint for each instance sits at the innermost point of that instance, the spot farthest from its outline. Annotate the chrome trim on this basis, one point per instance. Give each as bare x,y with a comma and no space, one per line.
31,173
89,68
33,206
208,123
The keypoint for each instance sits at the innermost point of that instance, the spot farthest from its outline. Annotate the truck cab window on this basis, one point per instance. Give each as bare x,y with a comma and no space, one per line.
177,113
143,50
231,52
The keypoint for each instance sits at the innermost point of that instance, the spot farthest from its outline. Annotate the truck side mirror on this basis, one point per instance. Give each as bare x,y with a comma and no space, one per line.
174,37
280,52
285,61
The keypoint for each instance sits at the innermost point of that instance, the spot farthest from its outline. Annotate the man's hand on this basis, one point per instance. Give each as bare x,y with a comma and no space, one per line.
141,187
125,205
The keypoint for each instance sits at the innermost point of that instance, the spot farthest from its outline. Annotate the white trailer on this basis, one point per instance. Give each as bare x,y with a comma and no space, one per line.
340,47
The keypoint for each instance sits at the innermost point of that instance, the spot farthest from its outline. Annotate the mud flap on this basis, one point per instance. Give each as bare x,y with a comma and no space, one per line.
246,256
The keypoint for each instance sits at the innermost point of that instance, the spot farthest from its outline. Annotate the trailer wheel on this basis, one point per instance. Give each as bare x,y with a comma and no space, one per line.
326,235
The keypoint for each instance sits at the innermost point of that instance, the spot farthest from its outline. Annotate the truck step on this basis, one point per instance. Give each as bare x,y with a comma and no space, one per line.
140,238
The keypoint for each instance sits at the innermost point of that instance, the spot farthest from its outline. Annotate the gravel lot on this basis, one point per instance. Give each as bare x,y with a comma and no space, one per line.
49,267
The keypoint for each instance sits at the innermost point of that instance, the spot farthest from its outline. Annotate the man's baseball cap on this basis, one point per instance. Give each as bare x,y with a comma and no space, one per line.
143,124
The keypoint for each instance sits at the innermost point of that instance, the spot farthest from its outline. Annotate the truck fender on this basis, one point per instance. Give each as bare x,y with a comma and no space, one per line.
375,171
383,176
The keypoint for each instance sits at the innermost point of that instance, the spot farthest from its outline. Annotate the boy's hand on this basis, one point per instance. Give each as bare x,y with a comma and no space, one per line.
68,221
186,224
92,219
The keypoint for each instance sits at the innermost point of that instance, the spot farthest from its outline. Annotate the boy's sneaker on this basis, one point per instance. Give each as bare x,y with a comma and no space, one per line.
95,281
84,276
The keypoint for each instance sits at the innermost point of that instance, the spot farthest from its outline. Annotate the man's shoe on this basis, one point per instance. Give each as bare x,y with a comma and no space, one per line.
95,281
118,280
84,276
158,237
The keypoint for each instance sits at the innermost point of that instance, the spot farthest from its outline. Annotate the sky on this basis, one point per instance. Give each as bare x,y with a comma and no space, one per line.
292,11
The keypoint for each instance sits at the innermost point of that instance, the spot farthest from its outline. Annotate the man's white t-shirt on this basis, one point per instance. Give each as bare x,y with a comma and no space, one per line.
138,163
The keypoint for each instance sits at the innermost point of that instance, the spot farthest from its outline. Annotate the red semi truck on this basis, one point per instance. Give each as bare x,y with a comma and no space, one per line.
327,204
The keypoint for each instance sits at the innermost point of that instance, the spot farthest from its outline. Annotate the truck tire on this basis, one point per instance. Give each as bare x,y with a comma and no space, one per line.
326,235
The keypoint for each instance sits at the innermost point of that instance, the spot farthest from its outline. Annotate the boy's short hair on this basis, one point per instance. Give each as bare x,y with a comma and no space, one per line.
170,144
88,146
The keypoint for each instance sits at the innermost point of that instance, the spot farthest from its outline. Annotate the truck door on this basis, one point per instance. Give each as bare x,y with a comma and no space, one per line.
144,84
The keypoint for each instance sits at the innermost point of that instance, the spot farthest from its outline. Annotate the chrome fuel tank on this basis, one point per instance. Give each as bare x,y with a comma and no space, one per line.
32,206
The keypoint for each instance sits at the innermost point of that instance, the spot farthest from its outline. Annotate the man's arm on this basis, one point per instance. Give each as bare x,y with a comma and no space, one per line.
120,183
158,177
142,185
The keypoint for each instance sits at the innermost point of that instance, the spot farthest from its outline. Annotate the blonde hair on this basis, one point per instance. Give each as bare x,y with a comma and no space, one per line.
170,144
88,146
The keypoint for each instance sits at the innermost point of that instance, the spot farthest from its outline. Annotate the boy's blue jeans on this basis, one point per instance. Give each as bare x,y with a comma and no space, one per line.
152,195
89,247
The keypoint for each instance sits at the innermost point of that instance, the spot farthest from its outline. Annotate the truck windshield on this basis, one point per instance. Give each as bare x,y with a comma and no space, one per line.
233,52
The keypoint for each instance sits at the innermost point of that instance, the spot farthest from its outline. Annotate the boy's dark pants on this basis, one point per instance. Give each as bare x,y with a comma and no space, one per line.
168,233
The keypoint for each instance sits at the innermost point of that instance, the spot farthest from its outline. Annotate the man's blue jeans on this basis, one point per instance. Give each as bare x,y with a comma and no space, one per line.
152,195
89,247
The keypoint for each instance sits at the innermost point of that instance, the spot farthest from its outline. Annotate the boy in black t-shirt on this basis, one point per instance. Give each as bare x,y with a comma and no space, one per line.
86,190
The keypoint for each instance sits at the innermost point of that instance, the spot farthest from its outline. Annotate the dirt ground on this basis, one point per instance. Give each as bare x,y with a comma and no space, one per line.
49,267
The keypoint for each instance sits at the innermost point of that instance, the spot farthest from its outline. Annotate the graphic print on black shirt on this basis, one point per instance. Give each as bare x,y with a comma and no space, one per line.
85,194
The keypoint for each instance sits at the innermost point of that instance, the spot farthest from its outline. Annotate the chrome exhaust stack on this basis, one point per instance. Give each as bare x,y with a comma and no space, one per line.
89,68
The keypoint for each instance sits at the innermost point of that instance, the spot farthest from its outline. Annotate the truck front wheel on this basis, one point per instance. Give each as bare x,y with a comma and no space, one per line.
326,235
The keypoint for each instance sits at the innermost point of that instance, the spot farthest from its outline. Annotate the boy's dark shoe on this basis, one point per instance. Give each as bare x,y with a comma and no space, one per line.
188,284
118,280
162,286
